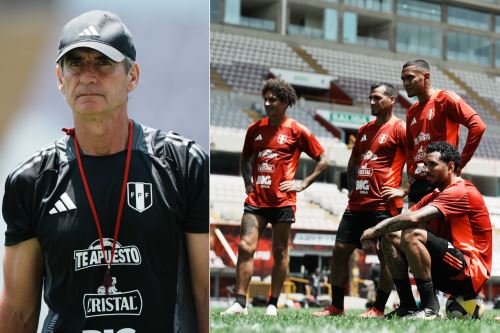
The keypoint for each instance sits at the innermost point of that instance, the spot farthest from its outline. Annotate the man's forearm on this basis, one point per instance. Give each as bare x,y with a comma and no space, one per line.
396,223
17,321
246,170
352,173
319,168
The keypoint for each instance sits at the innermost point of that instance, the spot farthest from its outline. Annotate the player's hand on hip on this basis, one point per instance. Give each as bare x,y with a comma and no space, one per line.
390,193
292,186
249,188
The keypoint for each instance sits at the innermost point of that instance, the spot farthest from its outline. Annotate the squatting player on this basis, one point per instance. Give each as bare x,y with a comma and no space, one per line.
268,163
102,217
436,116
446,238
374,176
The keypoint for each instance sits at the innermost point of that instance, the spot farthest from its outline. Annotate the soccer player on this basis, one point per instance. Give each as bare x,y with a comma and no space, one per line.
445,239
436,116
374,175
102,218
268,163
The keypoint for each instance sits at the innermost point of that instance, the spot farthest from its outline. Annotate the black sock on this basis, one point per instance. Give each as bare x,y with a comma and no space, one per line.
273,301
241,300
338,297
427,295
403,287
380,300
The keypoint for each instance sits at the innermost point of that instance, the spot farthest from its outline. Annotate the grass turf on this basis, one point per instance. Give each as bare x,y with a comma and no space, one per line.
301,321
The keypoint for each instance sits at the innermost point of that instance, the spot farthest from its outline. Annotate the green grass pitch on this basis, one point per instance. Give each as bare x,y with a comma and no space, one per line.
301,321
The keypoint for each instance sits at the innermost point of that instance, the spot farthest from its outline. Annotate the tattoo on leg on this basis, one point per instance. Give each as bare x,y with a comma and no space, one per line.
247,228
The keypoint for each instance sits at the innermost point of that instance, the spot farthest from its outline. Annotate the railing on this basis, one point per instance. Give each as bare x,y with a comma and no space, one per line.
298,30
372,42
258,23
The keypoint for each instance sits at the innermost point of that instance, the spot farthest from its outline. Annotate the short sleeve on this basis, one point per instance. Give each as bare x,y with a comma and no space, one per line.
17,209
197,217
401,135
248,145
309,144
456,108
355,147
453,201
425,200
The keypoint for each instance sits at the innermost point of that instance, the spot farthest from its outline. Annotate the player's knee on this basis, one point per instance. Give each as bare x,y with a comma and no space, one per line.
246,248
411,236
341,253
280,252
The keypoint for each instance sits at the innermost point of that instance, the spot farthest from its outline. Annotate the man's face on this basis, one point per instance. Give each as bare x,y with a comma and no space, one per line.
273,106
380,103
413,80
438,172
94,84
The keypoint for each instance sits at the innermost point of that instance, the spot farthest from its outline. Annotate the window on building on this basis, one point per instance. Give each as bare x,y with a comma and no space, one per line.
330,24
419,9
497,23
377,5
419,39
497,61
469,18
469,48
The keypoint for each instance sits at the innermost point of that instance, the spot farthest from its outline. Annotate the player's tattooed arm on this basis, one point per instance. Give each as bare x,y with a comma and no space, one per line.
352,172
246,173
402,221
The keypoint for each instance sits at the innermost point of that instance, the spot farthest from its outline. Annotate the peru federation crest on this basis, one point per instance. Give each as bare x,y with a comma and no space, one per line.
139,196
282,138
383,138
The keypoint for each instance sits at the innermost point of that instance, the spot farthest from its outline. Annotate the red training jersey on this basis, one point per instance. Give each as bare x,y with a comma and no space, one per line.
276,152
466,225
381,154
439,119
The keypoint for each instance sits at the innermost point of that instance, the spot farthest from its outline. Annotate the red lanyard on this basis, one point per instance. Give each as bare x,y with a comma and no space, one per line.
107,276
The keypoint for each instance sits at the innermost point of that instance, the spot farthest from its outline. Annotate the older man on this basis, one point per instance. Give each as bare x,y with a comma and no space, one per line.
103,217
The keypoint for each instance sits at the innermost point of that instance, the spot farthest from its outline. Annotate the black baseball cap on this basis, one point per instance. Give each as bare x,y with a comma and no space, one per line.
99,30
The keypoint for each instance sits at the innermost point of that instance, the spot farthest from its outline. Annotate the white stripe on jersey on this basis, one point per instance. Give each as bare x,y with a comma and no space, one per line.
148,138
183,142
36,157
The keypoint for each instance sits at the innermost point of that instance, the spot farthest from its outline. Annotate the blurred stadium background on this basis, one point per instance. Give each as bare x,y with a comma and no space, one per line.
171,39
331,51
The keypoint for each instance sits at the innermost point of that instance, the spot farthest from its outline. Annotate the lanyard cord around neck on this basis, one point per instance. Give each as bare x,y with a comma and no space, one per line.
89,195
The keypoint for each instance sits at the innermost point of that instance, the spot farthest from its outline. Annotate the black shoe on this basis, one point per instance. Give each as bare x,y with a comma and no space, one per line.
425,314
398,313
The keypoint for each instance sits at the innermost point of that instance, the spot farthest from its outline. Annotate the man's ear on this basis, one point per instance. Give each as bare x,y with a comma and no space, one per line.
133,77
60,80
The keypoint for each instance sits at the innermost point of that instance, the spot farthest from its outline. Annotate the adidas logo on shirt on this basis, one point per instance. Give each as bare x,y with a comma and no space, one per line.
64,204
413,122
258,138
363,138
90,31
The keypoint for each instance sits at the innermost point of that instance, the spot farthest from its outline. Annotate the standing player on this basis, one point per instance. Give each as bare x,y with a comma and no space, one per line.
374,176
103,217
436,116
268,164
453,254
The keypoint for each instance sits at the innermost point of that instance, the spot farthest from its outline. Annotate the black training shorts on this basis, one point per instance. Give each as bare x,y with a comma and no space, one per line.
419,189
273,214
448,267
353,224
